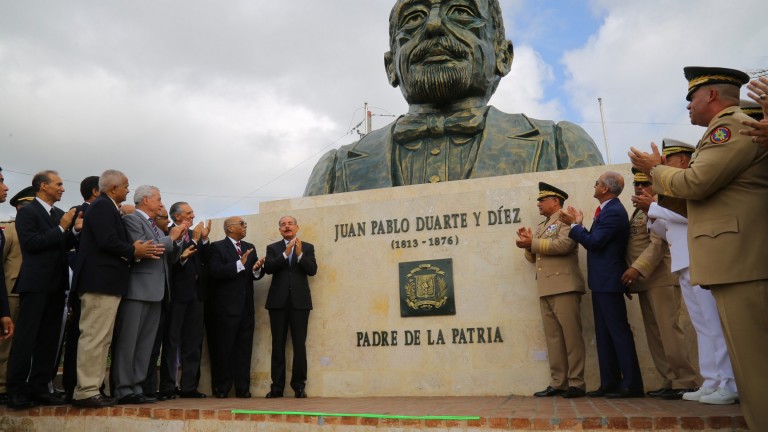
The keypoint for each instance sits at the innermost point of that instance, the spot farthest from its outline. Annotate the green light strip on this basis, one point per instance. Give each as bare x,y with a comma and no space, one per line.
377,416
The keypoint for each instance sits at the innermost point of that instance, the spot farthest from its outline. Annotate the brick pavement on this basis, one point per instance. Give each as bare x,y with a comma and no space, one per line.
495,413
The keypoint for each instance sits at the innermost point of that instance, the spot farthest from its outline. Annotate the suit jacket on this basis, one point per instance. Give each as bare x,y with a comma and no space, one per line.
557,259
726,187
188,279
289,279
528,145
673,228
105,251
5,311
230,292
43,250
649,254
11,256
150,278
606,245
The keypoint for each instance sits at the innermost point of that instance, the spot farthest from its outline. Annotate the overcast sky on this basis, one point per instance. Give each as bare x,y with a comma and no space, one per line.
228,103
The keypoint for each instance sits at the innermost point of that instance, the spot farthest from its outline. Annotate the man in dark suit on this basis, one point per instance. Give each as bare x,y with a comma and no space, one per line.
233,266
289,301
183,333
606,245
100,280
44,238
89,190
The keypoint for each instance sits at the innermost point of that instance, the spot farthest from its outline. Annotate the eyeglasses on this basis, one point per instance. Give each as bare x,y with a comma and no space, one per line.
644,184
241,223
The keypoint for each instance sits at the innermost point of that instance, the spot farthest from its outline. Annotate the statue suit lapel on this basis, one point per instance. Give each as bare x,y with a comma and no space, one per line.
504,135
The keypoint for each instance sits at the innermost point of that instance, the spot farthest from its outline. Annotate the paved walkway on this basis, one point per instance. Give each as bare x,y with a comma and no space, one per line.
499,413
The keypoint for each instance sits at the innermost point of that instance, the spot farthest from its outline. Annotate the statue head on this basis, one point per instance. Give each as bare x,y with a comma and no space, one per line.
443,51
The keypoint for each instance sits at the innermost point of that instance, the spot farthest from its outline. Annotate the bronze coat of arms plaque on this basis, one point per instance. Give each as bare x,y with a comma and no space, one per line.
426,288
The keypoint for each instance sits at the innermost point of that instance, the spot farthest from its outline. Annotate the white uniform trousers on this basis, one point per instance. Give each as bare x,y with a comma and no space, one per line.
714,363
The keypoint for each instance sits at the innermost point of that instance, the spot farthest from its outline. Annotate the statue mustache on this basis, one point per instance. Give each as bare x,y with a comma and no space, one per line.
450,45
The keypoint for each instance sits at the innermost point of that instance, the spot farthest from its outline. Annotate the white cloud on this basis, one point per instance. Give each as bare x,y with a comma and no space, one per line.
635,63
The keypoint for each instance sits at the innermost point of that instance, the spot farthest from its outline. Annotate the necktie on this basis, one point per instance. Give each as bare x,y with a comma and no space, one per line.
239,251
154,227
53,216
186,236
597,212
415,126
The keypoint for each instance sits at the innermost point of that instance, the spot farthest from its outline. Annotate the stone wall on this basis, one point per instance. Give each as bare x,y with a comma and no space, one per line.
358,342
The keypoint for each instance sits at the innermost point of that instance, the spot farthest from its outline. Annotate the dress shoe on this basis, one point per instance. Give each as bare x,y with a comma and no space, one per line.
3,398
273,394
194,394
720,397
166,395
97,401
243,395
549,391
625,394
49,399
695,396
658,392
600,392
221,395
132,399
149,398
574,392
20,401
675,394
301,394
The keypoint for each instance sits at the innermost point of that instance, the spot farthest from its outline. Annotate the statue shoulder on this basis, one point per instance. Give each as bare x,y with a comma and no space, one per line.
323,174
575,148
327,173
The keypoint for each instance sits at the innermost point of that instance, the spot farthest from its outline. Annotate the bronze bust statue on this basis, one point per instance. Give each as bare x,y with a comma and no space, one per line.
447,57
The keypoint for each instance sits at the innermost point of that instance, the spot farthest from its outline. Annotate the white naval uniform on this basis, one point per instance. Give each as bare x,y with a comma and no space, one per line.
714,362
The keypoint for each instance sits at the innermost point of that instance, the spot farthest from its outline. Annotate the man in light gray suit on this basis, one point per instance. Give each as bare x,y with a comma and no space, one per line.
139,312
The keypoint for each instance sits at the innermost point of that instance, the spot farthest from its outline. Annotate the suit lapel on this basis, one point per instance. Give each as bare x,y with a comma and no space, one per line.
41,211
515,137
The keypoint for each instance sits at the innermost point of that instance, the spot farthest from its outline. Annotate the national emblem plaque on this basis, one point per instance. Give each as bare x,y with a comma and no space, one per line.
426,288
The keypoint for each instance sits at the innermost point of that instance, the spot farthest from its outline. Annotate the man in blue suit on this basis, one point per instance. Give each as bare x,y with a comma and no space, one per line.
606,244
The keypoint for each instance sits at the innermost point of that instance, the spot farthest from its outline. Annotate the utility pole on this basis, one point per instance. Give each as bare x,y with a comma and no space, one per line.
367,118
605,131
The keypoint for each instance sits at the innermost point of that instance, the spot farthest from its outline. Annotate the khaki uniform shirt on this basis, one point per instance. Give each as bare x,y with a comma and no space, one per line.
11,255
648,254
726,188
557,259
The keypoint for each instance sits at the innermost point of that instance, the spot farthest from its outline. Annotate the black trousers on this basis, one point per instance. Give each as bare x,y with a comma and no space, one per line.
35,343
233,348
282,321
71,336
182,341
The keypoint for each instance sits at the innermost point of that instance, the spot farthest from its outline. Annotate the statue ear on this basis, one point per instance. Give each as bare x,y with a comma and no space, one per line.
390,66
504,56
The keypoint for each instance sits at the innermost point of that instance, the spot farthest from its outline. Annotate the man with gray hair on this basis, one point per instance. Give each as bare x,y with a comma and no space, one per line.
101,279
139,313
606,245
183,333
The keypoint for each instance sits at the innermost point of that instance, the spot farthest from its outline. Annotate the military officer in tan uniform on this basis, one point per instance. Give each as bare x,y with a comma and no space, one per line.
726,188
560,285
11,266
649,275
